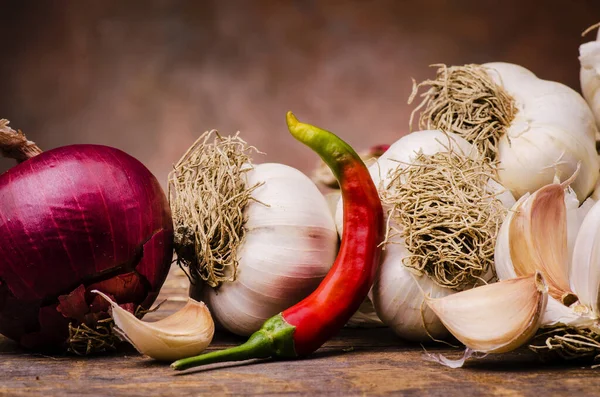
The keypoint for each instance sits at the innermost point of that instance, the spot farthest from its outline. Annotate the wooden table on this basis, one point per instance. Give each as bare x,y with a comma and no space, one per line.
357,362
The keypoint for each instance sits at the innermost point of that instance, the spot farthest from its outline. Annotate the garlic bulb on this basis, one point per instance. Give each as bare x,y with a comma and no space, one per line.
398,293
536,237
589,75
256,238
289,245
534,128
495,318
183,334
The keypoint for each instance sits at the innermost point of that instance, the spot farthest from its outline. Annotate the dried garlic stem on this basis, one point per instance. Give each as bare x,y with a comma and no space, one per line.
591,28
14,144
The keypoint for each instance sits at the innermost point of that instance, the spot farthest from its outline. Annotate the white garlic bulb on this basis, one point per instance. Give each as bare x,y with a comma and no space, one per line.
289,245
553,131
399,298
589,74
399,293
534,128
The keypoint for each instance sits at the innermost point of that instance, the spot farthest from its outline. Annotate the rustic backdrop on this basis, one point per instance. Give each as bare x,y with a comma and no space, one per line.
149,76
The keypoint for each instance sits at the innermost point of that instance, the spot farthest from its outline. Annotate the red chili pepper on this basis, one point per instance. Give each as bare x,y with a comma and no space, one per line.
304,327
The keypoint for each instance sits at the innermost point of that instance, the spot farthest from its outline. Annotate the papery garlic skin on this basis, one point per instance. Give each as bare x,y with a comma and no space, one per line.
185,333
557,314
552,132
398,294
289,245
495,318
399,298
589,75
365,316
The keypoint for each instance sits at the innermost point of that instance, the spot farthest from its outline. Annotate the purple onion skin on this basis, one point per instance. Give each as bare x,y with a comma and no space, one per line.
74,219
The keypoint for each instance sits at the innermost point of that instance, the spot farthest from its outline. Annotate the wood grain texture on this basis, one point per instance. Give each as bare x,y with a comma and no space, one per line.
356,362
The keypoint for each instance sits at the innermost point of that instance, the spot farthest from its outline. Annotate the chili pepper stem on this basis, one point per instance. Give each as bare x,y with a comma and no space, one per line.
338,152
258,346
274,339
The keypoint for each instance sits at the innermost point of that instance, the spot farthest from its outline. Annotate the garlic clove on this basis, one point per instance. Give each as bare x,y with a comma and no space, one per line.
494,318
557,314
538,239
575,215
502,261
585,267
183,334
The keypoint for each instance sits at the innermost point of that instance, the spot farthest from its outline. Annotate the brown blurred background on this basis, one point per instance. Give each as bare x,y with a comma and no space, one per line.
150,76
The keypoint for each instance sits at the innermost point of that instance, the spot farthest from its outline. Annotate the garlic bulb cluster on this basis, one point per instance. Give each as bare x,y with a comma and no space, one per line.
399,292
185,333
589,75
290,243
534,128
546,232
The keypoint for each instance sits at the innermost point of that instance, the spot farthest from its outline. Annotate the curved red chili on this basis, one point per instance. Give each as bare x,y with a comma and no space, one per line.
304,327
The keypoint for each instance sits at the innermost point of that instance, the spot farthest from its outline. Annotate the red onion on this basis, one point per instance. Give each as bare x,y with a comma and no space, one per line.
72,220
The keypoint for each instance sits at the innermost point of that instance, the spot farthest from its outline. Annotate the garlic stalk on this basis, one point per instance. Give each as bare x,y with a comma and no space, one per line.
183,334
535,129
589,75
268,251
398,291
495,318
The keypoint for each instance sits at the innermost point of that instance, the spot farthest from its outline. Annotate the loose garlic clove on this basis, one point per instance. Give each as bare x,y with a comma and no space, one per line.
537,236
185,333
575,215
585,268
495,318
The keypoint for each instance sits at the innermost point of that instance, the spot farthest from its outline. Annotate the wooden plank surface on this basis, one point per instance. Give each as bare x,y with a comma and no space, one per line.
356,362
